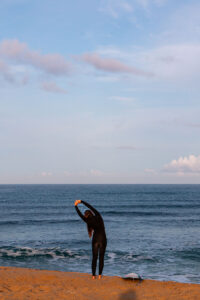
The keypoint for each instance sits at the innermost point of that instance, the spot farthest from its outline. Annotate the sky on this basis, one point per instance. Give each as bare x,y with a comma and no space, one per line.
100,91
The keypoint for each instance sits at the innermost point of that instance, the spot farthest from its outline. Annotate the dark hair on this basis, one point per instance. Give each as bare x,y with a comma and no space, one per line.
89,214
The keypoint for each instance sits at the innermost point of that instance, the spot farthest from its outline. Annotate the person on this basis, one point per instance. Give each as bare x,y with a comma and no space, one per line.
95,226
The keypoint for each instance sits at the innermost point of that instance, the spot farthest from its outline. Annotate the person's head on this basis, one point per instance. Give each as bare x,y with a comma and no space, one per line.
88,214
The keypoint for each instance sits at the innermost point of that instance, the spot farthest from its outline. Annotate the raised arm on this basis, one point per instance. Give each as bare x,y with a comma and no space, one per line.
78,211
92,208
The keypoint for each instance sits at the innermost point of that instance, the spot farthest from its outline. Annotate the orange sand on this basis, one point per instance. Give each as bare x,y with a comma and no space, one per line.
20,284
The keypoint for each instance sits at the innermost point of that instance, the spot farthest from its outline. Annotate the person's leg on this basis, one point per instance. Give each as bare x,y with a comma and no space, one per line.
101,258
95,248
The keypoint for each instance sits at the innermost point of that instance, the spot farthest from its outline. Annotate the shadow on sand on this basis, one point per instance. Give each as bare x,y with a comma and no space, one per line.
128,295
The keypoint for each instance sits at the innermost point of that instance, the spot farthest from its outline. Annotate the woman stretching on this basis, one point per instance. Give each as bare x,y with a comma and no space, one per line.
95,225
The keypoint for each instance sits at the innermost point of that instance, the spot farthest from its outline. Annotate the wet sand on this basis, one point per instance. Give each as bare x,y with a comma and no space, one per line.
20,284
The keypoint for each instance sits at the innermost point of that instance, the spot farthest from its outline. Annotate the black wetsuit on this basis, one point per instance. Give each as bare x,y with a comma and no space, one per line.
99,240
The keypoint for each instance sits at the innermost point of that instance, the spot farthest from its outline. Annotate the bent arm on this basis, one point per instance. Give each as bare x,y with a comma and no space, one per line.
92,208
80,214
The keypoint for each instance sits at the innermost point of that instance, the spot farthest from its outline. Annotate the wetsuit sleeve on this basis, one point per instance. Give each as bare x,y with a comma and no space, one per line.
91,207
80,214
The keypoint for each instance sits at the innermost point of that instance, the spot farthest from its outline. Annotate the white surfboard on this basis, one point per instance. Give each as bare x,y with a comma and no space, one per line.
132,276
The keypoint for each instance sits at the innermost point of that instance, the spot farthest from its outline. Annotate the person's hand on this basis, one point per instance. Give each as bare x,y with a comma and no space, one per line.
77,202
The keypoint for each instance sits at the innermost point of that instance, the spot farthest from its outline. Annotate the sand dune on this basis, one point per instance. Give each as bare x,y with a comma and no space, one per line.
20,284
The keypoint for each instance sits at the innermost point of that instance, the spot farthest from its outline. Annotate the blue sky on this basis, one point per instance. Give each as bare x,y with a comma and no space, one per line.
99,91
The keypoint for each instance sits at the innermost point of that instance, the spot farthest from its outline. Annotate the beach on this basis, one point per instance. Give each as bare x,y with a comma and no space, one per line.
22,283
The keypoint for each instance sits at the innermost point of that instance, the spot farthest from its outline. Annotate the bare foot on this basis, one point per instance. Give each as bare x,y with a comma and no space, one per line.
99,276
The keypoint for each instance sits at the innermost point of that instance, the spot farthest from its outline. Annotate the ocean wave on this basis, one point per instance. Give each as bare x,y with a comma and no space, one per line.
36,222
24,253
189,254
34,206
128,257
137,258
48,253
138,213
136,205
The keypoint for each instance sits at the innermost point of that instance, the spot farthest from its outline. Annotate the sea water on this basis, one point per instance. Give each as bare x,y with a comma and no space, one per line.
152,230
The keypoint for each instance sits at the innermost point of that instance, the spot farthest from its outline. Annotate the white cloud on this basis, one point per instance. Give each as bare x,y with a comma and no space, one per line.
146,3
97,173
117,8
122,99
52,87
176,61
150,171
46,174
190,164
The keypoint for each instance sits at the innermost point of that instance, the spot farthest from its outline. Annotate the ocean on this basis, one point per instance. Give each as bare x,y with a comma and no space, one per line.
152,230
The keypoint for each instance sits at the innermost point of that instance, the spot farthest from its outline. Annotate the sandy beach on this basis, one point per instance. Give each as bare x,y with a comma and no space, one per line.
21,283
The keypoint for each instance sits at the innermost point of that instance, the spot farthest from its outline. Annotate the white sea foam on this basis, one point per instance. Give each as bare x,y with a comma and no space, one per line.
34,252
112,255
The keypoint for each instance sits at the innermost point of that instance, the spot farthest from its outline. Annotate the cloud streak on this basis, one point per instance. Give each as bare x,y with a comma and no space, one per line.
112,65
170,63
52,87
150,171
46,174
122,99
53,64
146,3
96,173
117,8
